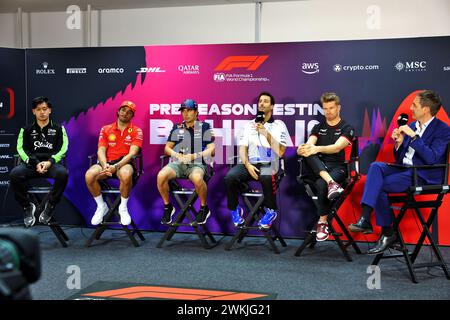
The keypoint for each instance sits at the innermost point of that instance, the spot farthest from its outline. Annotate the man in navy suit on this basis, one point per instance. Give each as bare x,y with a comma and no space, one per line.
423,142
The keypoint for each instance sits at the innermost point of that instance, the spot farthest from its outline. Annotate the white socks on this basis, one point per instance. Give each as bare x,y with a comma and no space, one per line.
123,202
100,201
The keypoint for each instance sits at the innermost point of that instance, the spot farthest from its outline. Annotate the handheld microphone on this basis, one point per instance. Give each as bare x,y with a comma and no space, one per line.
259,117
402,119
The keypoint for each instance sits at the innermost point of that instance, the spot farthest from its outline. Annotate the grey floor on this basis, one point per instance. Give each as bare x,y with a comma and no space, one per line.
321,273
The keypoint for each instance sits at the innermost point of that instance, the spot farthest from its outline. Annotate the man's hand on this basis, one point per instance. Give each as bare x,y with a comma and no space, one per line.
407,130
252,170
109,170
43,166
261,129
307,150
397,136
186,158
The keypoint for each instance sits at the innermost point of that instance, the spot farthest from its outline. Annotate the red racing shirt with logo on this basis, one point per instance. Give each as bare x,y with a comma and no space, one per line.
118,143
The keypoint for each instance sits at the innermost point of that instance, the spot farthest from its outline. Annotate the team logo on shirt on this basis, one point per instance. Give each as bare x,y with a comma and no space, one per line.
130,130
51,132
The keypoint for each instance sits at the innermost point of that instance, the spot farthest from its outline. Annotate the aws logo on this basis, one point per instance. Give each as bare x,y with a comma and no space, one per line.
6,103
250,63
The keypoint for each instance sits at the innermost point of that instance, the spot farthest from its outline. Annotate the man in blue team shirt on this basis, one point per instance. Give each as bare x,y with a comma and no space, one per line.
188,145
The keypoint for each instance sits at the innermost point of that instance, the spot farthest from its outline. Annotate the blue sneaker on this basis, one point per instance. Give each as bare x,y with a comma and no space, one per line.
236,216
267,219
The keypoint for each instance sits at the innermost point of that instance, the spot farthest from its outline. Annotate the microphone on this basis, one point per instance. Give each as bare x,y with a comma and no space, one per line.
402,119
259,117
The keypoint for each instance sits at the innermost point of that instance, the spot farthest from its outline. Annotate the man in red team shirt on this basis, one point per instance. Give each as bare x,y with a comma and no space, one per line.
117,144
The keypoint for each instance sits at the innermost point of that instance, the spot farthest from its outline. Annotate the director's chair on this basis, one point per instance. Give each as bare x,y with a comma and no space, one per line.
185,216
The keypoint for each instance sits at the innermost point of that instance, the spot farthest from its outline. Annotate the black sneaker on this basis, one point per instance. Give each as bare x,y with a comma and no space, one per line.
202,216
47,213
29,218
169,211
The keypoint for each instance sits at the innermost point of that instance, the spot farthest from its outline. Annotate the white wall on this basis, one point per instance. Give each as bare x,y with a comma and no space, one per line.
8,29
348,19
234,23
179,25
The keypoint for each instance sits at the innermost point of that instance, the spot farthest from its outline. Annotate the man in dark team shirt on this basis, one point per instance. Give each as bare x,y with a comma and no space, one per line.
41,146
188,145
325,157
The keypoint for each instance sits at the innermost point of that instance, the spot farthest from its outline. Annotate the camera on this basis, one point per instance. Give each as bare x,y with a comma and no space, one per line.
20,263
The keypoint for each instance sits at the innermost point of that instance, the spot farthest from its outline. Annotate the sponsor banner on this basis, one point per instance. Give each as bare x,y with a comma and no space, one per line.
372,77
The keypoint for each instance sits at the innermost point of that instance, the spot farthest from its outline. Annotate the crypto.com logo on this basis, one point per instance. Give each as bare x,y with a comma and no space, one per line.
247,62
4,112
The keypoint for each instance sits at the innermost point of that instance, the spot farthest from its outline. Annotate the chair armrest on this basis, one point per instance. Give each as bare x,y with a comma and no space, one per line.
416,167
424,166
92,158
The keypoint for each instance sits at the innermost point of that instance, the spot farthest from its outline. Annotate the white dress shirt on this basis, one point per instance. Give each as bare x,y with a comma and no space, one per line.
419,131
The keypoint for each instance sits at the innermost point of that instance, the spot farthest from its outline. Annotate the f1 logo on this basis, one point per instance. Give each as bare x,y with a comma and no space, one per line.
248,62
6,98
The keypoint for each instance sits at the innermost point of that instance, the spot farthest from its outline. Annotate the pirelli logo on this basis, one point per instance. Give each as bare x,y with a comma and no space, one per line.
250,63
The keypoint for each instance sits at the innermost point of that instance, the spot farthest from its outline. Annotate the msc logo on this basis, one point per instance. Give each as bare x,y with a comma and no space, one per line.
6,94
150,70
246,62
310,68
411,66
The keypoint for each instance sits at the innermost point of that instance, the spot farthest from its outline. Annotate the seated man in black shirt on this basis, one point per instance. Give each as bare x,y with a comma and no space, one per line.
325,157
41,146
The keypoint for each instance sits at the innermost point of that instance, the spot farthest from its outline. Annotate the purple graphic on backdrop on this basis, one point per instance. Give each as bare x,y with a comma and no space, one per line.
225,80
171,75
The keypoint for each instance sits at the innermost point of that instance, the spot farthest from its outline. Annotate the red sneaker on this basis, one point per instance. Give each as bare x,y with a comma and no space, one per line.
334,190
322,232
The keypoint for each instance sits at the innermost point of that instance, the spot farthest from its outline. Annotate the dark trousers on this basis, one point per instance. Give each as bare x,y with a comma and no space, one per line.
239,174
22,173
337,171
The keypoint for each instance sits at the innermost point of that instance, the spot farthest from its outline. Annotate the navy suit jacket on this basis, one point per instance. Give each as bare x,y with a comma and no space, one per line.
429,149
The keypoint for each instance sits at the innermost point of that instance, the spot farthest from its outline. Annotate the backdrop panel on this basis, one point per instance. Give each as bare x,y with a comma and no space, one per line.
374,79
12,117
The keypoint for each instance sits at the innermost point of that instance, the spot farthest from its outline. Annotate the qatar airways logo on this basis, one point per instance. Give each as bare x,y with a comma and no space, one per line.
39,144
189,69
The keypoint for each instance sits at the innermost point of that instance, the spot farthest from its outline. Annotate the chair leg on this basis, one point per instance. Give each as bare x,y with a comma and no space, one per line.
309,239
137,231
130,235
350,240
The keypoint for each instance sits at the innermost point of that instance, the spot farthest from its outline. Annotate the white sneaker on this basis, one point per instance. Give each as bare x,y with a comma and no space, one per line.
99,214
125,218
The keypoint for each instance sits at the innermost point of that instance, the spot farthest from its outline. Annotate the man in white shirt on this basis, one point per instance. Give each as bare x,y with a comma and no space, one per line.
261,144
